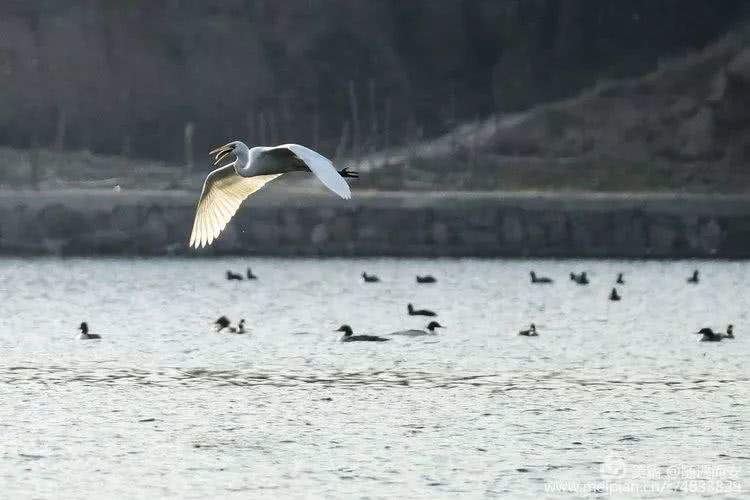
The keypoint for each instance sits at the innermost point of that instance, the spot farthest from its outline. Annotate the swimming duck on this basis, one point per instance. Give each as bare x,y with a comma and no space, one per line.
709,335
694,278
620,280
613,295
730,332
531,332
85,335
250,274
240,328
233,276
541,281
581,279
221,323
420,333
426,279
370,278
350,337
419,312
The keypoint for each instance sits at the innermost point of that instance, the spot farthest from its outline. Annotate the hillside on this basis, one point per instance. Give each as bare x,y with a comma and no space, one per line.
684,127
354,76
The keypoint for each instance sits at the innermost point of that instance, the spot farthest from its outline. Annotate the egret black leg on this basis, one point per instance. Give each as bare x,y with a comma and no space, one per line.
345,172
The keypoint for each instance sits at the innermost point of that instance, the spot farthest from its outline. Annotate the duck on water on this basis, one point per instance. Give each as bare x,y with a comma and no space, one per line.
614,296
531,332
420,333
233,276
419,312
539,280
708,335
694,279
370,278
224,323
426,279
250,274
350,337
85,335
581,279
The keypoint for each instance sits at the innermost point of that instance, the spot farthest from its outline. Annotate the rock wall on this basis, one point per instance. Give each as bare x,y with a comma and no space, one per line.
375,224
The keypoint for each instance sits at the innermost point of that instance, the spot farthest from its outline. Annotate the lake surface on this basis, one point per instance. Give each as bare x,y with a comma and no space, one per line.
611,400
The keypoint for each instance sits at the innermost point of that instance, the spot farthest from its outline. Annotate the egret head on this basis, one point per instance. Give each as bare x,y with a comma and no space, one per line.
223,151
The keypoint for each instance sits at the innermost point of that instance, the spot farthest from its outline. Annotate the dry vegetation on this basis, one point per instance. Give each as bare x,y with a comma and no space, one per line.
684,127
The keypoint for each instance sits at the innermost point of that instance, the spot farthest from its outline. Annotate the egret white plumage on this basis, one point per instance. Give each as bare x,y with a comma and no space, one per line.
227,187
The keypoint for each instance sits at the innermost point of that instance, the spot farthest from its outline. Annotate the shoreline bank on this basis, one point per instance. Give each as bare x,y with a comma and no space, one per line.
287,222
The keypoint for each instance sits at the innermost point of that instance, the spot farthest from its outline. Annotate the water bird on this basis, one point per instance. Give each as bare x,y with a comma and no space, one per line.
620,280
694,278
538,280
581,279
350,337
221,323
431,326
85,335
730,332
227,187
370,278
531,332
240,328
419,312
426,279
250,274
708,335
614,296
234,276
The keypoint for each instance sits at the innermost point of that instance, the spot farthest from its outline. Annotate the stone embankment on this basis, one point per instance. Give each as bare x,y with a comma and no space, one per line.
277,222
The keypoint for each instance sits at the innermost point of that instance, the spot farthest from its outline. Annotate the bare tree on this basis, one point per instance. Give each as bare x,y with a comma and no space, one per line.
354,106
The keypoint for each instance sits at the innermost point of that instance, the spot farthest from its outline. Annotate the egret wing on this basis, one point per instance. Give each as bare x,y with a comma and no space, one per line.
322,168
223,193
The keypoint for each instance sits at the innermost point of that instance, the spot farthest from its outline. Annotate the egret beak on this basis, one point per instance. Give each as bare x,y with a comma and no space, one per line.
221,153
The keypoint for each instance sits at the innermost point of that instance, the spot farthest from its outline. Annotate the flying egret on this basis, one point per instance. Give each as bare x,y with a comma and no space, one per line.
227,187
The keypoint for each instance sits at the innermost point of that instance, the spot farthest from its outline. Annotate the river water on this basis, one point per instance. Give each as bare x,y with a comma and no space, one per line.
613,399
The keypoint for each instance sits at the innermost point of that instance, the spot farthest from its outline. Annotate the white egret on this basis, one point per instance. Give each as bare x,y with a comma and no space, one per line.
227,187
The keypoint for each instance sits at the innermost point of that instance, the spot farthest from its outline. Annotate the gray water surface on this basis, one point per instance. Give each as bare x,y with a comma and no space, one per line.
611,400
